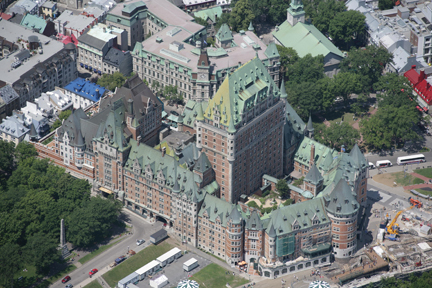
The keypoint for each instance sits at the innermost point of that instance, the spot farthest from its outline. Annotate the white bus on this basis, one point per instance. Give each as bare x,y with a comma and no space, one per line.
412,159
383,163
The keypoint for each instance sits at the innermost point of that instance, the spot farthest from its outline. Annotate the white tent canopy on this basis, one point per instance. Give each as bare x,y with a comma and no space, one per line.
188,284
319,284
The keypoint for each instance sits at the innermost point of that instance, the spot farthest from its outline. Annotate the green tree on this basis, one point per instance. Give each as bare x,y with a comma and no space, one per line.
277,11
359,105
25,150
210,42
112,81
368,63
390,125
241,16
65,114
156,86
201,21
10,263
304,97
346,27
145,82
394,90
92,222
326,12
346,83
288,56
224,19
386,4
337,135
7,163
307,68
171,93
57,123
283,189
41,251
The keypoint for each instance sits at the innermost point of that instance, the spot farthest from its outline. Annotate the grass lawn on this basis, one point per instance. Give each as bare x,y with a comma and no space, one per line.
135,262
418,181
96,252
29,277
214,276
407,180
425,192
427,172
93,284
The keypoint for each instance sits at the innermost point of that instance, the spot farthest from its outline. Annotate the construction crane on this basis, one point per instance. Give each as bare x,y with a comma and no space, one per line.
415,202
393,227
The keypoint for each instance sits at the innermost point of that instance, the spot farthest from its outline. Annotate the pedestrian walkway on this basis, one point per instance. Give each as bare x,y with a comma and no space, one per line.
424,178
417,186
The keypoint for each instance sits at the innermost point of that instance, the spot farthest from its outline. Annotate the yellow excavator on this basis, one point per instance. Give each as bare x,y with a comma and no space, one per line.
393,227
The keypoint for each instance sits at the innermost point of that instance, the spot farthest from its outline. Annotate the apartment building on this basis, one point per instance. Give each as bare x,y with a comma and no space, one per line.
39,66
84,93
98,45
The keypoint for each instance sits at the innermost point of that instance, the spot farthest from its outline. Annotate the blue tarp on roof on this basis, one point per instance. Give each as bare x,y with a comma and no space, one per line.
86,89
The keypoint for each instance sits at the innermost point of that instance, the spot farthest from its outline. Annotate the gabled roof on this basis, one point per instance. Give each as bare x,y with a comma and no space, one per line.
342,200
358,157
254,221
202,164
271,50
216,208
224,33
314,176
192,111
420,84
240,92
305,39
210,13
282,219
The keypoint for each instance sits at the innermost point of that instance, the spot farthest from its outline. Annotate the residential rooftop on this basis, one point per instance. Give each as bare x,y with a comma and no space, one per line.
12,32
162,9
86,89
76,22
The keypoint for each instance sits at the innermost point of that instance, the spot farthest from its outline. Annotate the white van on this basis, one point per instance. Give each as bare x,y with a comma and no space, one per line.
371,165
383,163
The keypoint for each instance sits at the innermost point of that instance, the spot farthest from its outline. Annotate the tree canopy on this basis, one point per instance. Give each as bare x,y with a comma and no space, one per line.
325,13
241,16
337,135
368,63
36,195
283,189
396,116
386,4
347,27
111,81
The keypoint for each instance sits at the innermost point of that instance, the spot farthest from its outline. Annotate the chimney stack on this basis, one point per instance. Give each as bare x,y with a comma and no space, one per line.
138,140
312,156
163,151
422,74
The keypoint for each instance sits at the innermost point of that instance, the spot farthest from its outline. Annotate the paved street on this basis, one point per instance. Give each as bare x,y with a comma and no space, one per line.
141,229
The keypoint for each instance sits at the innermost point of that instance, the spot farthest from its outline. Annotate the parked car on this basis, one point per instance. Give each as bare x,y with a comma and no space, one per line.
93,271
139,242
69,286
66,279
175,113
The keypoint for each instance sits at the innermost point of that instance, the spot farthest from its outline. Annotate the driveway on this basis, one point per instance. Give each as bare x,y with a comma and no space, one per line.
141,229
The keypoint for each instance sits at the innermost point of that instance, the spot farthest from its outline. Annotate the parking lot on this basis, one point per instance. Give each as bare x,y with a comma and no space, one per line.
174,271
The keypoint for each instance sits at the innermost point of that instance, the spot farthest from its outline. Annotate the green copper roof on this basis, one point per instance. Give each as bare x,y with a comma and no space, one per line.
224,33
282,90
358,156
210,13
313,176
191,112
146,159
217,209
309,124
323,154
128,8
283,220
203,164
251,28
138,50
240,92
305,39
34,22
271,50
342,200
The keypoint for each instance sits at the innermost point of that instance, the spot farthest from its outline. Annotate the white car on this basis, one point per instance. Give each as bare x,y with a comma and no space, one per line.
140,241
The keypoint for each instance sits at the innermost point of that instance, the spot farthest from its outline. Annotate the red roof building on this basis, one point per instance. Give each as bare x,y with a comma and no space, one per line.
5,16
421,86
67,39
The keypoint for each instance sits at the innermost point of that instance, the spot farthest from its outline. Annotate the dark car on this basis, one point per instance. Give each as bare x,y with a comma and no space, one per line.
66,279
69,286
175,113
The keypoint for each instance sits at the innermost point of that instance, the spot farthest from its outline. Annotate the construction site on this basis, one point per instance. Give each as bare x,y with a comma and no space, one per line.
401,245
